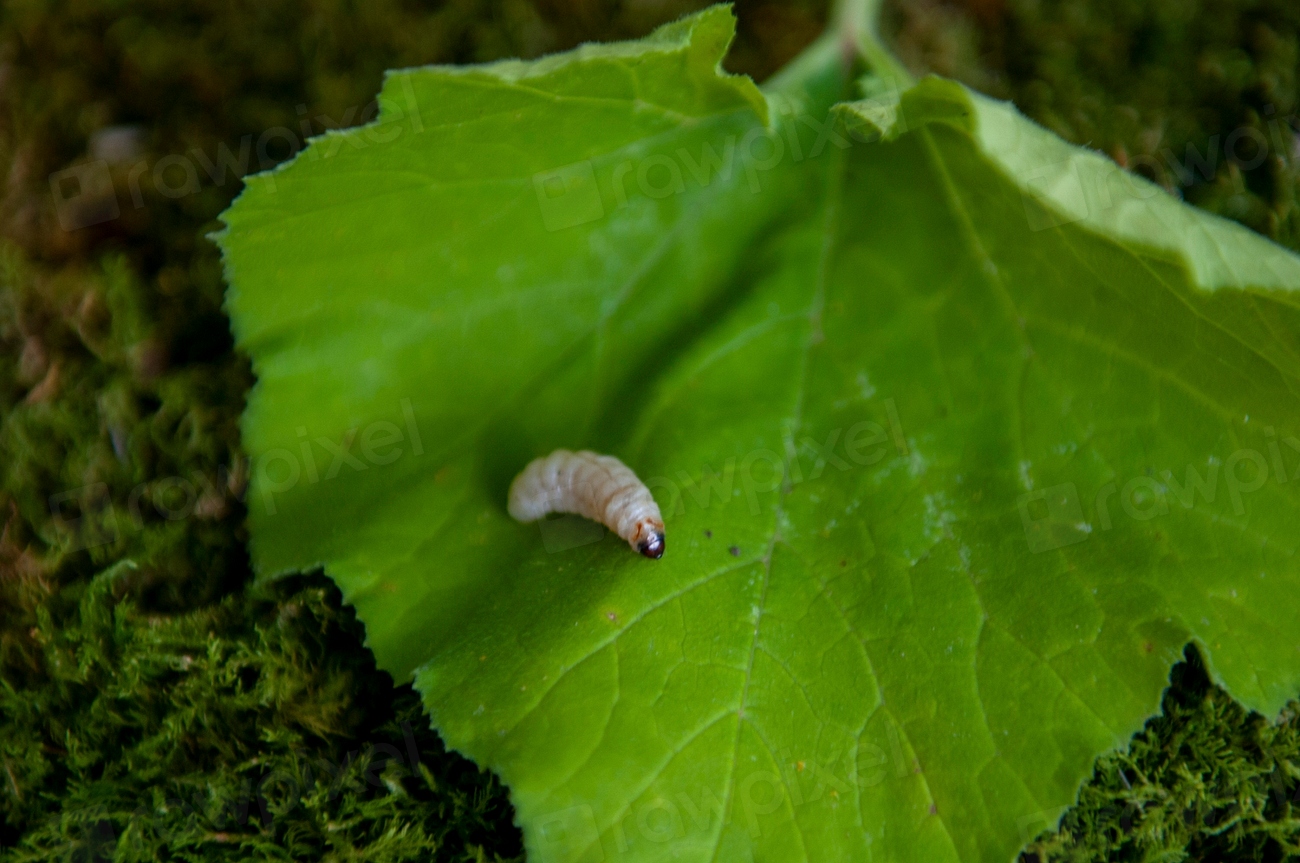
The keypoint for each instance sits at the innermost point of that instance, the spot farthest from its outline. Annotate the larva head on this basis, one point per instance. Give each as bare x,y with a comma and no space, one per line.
649,539
652,547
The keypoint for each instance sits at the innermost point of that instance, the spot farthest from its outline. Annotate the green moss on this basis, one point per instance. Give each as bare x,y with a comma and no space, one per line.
1206,780
153,704
256,727
106,450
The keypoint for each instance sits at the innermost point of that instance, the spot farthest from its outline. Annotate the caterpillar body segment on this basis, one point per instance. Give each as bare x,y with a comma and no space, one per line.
598,487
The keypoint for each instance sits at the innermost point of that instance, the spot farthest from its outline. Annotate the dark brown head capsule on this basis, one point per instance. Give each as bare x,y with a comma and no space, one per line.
652,547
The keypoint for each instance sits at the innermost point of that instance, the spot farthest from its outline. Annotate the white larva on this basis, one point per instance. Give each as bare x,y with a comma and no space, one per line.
598,487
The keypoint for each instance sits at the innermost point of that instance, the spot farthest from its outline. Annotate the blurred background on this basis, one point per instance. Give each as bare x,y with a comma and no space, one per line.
156,705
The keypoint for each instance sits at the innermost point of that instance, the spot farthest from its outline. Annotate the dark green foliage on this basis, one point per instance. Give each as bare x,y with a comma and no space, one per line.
1204,781
143,706
156,706
1198,95
256,727
1145,82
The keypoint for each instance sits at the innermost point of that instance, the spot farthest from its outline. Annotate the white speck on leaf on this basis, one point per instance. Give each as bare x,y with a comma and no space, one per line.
865,389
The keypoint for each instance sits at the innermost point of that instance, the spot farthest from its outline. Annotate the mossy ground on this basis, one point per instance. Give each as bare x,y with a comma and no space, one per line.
155,704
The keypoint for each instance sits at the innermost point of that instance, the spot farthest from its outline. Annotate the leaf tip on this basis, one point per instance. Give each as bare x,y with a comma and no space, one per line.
706,37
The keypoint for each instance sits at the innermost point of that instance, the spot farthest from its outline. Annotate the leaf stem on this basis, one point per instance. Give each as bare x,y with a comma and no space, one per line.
855,24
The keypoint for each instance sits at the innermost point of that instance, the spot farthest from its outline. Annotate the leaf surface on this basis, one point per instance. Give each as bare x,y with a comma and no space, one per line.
923,392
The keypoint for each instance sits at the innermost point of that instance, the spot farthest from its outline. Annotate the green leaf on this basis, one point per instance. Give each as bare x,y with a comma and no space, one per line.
923,394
